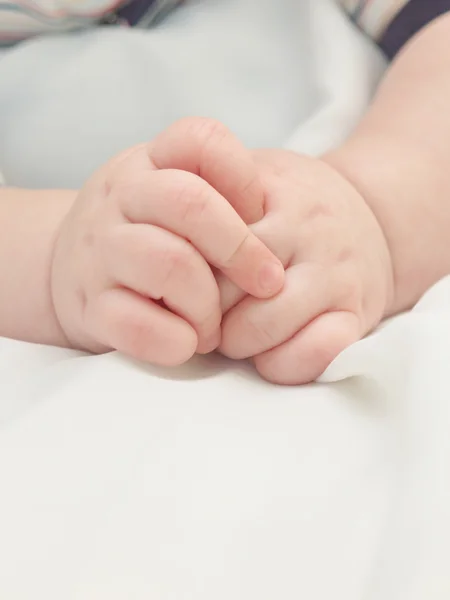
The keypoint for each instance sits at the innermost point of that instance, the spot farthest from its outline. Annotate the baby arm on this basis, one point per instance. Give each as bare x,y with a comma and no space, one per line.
365,229
29,221
399,160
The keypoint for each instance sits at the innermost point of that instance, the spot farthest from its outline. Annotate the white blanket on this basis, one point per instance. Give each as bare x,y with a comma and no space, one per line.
121,481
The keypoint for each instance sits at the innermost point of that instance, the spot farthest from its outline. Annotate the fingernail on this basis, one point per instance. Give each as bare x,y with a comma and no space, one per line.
271,276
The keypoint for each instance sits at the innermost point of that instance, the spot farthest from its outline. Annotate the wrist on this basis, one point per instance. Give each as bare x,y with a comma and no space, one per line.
65,199
406,188
30,221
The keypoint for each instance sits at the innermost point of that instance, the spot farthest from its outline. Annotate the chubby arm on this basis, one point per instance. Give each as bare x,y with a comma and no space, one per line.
399,159
29,221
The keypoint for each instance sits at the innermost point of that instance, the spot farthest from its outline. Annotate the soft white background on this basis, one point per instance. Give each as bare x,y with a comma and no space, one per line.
119,481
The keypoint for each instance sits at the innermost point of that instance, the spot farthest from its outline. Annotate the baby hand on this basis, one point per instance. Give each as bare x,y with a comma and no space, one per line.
130,267
339,279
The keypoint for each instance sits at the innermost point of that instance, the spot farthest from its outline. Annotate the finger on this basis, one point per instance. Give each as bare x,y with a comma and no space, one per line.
130,158
255,326
272,233
230,294
158,264
305,356
187,206
208,149
122,167
138,327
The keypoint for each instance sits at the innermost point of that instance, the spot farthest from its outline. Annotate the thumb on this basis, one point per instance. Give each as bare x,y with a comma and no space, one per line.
208,149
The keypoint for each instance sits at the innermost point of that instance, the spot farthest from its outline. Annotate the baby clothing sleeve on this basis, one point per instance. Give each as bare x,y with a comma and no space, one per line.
22,19
391,23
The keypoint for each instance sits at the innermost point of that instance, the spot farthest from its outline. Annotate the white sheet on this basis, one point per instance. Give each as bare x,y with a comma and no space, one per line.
125,481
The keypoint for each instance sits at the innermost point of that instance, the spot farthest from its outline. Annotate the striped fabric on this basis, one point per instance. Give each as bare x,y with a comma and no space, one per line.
374,16
393,22
21,19
390,22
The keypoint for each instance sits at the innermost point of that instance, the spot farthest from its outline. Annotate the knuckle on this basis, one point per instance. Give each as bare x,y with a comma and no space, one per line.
175,263
252,182
189,196
141,254
206,131
262,332
126,181
236,254
124,189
